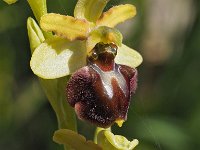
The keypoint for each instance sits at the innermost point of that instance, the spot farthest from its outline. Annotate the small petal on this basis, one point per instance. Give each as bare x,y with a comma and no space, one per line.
127,56
116,15
38,7
35,34
57,58
89,9
109,141
105,35
65,26
10,1
74,140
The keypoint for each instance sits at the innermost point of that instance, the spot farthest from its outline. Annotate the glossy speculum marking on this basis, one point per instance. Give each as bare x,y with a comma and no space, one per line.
101,91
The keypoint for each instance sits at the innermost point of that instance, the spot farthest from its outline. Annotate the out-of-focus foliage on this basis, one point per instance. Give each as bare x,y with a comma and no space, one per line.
165,111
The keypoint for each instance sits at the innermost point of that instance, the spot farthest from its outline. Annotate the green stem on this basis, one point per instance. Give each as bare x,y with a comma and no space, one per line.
55,92
55,88
66,116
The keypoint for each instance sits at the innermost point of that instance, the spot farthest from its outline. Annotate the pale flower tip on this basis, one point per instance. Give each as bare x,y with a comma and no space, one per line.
134,143
119,122
10,1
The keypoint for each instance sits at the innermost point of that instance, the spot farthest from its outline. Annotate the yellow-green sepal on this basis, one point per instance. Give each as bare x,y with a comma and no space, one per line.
74,140
89,9
38,7
35,34
127,56
10,1
105,35
108,141
57,57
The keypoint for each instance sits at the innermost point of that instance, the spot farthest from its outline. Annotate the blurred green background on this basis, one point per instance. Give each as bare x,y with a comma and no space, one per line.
165,111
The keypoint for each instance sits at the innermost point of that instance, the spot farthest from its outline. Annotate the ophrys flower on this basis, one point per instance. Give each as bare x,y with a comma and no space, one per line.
78,39
100,92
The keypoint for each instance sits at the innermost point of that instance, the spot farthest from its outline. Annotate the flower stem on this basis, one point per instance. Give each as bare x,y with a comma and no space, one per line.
55,92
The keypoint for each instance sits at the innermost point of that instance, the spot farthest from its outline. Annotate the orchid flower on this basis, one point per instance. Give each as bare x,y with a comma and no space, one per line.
88,48
74,42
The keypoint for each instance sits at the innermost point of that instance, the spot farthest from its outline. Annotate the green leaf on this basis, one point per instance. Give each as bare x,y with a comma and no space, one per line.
38,7
103,34
90,10
108,141
10,1
65,26
74,140
116,15
57,57
127,56
35,35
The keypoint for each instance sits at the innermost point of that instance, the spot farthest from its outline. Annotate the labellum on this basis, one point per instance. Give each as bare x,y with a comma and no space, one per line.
101,91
